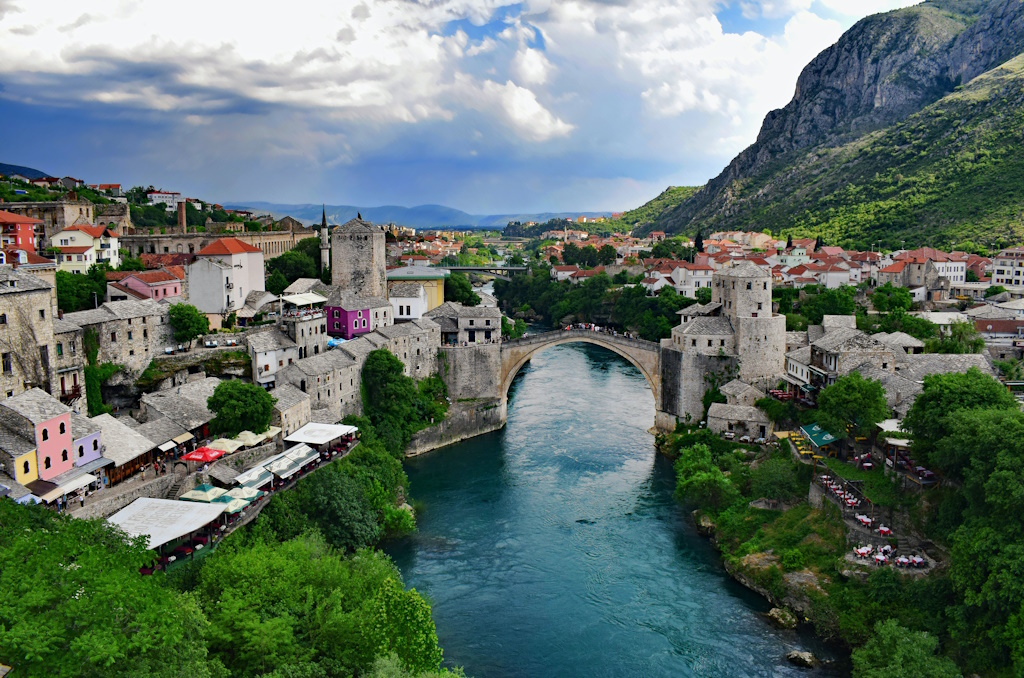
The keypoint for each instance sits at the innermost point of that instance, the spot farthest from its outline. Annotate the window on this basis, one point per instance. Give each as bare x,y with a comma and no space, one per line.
3,318
46,462
6,357
145,334
709,342
46,434
95,444
42,314
81,451
113,336
693,342
355,324
129,334
63,428
470,322
759,306
25,467
60,349
748,286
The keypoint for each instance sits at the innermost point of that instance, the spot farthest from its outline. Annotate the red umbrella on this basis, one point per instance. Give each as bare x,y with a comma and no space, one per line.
203,454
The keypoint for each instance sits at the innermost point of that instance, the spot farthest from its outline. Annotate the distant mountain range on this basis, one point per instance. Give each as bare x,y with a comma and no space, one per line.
421,216
27,172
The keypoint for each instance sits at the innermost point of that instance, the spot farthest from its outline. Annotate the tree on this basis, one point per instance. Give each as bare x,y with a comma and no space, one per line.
346,520
700,482
571,254
789,242
240,407
393,403
293,265
606,255
188,322
311,248
961,337
890,298
971,276
458,288
704,295
72,602
837,301
994,290
929,418
512,330
778,479
276,283
898,651
852,401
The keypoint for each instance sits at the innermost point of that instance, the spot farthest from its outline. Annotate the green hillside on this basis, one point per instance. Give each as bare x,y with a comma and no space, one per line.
649,212
952,173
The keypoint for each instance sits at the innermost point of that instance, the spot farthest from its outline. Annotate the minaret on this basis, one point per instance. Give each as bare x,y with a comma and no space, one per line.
325,243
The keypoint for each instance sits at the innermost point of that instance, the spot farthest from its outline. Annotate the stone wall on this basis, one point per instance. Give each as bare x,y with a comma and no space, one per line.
471,371
271,243
464,421
683,383
109,501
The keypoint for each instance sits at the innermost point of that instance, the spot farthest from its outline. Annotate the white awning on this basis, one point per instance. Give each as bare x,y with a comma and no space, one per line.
184,438
164,520
320,434
304,299
69,486
168,446
302,454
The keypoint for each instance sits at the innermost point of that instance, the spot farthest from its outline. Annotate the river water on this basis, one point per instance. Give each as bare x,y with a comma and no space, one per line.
554,547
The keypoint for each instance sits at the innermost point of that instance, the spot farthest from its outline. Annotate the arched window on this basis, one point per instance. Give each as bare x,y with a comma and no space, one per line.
46,462
46,435
62,428
64,455
25,468
81,451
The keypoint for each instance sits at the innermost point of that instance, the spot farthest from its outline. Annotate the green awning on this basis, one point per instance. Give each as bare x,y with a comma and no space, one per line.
818,436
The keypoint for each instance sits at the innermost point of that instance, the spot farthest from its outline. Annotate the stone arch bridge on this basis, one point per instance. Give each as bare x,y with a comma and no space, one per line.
644,355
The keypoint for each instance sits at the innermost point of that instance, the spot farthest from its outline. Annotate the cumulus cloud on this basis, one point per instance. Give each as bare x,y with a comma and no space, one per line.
634,92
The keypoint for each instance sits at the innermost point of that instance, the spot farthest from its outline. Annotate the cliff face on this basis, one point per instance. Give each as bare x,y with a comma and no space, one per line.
880,72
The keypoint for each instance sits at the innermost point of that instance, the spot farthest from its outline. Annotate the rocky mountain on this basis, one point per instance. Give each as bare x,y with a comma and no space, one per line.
855,95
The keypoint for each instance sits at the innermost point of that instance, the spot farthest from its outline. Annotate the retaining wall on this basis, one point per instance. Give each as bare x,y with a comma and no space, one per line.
464,421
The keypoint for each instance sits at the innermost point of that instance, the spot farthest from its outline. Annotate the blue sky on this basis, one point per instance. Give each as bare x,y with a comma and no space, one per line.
482,105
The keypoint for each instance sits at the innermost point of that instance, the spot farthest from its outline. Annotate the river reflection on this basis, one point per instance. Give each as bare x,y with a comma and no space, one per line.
554,547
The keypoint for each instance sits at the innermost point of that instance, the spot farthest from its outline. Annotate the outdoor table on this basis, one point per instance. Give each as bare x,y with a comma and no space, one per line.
902,561
171,559
868,466
880,559
851,502
884,531
918,561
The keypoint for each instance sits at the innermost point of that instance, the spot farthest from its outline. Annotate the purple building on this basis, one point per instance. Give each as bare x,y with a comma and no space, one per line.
347,323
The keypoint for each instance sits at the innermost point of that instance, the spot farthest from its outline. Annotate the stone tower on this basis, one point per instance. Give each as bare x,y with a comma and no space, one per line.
358,259
325,243
745,292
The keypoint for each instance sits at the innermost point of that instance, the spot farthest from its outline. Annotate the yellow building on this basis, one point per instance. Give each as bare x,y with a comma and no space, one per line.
18,455
431,278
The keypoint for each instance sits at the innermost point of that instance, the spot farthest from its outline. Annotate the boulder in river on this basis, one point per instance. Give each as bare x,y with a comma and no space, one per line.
782,618
804,659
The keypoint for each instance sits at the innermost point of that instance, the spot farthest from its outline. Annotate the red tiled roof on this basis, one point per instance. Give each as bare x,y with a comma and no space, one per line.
129,291
161,260
94,231
177,271
894,268
154,277
227,246
117,276
74,250
11,218
30,257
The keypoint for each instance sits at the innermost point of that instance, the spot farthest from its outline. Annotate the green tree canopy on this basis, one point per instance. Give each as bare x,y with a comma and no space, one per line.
606,255
458,288
240,407
394,403
837,301
961,337
898,651
889,298
294,264
943,394
276,282
187,322
72,602
852,401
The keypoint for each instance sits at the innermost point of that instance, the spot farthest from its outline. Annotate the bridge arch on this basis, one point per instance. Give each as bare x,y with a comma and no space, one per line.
643,355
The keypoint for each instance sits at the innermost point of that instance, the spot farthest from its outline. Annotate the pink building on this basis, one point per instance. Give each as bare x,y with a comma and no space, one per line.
156,285
37,415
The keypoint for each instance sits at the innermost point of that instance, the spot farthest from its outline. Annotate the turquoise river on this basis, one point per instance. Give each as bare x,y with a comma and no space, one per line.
555,548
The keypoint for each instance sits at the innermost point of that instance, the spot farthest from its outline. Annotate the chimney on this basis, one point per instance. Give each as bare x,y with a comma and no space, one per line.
72,195
182,223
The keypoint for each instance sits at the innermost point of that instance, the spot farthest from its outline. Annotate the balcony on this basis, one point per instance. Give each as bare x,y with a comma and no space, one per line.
70,394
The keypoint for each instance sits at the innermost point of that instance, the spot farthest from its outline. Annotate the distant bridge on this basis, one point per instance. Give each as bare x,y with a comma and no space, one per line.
644,355
497,270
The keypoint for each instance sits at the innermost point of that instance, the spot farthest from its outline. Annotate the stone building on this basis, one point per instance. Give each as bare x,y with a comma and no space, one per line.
28,305
741,420
54,216
461,325
184,405
302,319
271,351
130,333
735,335
359,259
271,243
331,380
291,411
69,352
